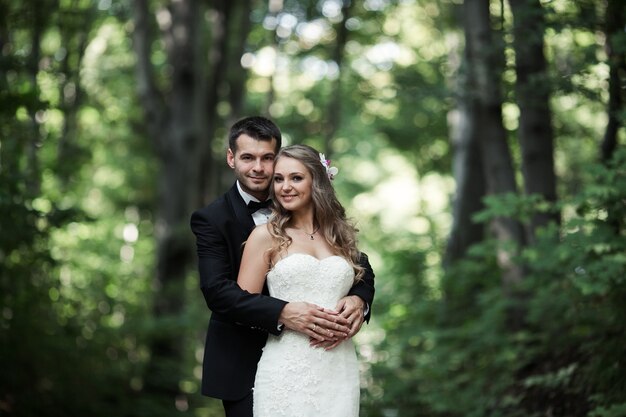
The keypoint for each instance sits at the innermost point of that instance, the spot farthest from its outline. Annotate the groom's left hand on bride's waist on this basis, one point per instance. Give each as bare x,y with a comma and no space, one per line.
314,321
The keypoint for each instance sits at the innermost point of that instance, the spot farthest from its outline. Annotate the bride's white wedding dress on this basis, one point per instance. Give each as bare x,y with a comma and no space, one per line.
294,379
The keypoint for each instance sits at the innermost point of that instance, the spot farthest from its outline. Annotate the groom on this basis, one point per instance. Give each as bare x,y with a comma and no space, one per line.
240,321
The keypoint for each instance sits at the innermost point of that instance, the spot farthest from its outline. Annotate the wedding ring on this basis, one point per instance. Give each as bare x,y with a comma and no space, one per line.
314,326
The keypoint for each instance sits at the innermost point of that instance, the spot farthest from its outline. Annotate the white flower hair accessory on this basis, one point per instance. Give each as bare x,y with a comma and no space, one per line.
330,171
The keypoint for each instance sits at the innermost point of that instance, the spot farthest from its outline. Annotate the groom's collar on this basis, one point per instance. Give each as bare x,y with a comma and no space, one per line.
246,197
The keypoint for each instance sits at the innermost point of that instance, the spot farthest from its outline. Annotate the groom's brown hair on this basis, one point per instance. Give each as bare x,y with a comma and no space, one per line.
257,127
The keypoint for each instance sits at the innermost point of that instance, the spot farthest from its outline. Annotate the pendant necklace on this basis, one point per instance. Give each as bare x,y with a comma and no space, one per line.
310,235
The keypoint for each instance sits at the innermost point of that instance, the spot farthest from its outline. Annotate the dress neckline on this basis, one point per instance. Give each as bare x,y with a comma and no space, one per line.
311,256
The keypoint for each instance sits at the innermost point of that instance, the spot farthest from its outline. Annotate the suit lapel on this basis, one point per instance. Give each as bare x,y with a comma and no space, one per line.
241,211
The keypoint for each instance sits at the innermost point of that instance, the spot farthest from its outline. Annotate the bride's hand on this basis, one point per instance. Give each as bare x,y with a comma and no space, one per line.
352,309
314,321
326,344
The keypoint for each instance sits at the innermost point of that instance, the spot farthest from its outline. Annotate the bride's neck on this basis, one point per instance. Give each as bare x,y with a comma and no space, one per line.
303,222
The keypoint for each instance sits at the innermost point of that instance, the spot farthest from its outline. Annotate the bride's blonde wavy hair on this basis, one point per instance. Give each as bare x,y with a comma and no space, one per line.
328,213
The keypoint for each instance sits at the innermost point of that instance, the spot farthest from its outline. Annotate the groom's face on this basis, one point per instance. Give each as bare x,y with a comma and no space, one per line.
253,162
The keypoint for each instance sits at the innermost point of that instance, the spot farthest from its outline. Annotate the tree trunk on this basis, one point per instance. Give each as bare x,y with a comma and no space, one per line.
333,118
208,177
149,96
615,21
33,183
470,181
74,27
237,75
174,132
274,9
533,95
483,56
225,84
467,167
235,80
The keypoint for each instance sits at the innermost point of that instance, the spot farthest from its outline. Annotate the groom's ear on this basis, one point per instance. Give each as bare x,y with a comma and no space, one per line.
230,158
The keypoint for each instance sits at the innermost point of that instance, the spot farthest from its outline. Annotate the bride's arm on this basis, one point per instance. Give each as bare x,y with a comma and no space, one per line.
255,262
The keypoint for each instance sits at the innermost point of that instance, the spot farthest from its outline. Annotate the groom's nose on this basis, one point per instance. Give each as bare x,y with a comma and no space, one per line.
258,165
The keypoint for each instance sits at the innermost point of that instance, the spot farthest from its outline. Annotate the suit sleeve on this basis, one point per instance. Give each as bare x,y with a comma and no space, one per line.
222,294
365,287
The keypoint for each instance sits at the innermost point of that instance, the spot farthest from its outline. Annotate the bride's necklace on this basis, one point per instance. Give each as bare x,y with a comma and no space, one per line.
310,235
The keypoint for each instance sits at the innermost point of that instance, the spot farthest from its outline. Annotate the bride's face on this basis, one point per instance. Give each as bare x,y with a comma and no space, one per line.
293,184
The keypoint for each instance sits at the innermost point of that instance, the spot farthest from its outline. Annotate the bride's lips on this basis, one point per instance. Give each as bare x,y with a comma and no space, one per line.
287,198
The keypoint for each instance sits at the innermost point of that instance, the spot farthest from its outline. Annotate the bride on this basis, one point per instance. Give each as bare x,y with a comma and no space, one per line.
307,251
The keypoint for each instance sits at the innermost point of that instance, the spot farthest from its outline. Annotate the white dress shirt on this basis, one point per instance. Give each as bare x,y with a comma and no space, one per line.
260,216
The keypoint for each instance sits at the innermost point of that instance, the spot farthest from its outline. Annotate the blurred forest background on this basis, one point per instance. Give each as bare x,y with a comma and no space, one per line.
481,152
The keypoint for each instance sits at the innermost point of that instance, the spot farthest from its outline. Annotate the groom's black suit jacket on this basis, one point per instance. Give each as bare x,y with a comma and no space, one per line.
240,320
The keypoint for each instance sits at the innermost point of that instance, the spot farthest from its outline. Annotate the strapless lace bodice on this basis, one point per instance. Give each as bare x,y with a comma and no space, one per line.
294,379
302,277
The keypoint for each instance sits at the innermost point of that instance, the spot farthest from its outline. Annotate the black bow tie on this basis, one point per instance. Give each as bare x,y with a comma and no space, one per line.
255,205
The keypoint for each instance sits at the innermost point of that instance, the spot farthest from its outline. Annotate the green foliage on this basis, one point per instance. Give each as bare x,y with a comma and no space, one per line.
77,217
396,349
615,410
466,354
511,205
77,230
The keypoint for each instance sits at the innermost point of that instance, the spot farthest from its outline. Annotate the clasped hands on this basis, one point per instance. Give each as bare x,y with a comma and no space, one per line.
326,328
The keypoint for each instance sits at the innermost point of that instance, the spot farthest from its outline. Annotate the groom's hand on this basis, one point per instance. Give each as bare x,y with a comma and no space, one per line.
352,308
314,321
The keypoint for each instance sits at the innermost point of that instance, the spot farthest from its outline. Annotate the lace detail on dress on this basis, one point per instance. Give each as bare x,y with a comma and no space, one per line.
294,379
